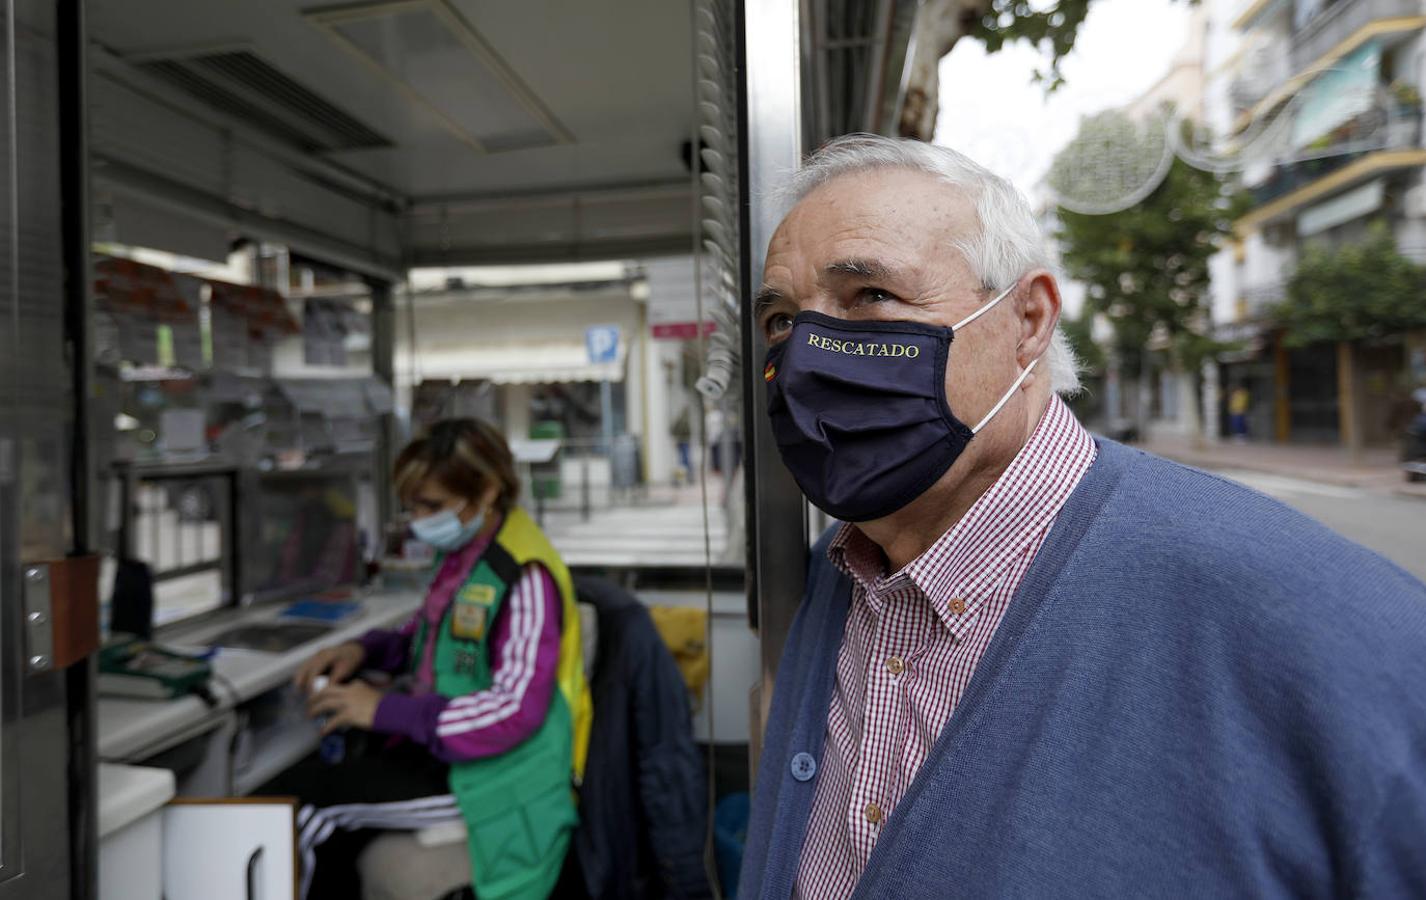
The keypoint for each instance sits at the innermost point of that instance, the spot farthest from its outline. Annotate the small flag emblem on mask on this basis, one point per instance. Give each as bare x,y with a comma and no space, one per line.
770,372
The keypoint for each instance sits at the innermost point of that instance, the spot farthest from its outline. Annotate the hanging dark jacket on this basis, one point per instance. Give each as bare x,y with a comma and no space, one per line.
643,807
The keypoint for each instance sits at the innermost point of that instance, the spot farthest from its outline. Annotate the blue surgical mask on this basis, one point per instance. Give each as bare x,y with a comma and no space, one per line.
445,531
859,410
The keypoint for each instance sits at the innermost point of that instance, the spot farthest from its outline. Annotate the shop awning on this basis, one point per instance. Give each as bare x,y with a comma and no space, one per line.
546,362
138,289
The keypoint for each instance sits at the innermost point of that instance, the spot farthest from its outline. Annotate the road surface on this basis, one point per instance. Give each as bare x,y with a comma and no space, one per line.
1391,525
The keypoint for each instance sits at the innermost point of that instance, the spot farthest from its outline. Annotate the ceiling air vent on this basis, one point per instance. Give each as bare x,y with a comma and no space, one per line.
243,85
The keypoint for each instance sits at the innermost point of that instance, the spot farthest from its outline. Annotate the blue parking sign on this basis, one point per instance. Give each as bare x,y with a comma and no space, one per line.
602,343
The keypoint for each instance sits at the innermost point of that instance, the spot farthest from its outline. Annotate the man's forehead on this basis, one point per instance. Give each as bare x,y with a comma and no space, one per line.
894,215
896,192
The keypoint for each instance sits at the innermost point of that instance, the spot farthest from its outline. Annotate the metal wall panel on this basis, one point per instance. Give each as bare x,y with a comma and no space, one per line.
11,602
34,453
129,125
268,185
777,512
147,144
579,223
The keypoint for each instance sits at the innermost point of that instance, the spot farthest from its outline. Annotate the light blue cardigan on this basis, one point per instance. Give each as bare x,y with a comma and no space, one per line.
1196,692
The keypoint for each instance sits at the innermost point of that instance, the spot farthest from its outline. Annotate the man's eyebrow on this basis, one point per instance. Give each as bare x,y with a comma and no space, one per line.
858,267
764,298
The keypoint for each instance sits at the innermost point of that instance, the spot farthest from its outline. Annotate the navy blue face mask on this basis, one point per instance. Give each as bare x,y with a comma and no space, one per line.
859,410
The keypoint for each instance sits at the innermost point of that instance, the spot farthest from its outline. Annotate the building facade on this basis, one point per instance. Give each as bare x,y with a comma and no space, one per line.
1317,104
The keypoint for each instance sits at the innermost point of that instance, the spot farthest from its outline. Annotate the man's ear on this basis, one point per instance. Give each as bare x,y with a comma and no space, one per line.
1039,310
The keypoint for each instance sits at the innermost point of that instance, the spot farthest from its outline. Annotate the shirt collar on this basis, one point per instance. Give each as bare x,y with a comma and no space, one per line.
961,570
860,559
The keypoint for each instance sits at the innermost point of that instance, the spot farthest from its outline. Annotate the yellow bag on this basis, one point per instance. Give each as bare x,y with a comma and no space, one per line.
684,630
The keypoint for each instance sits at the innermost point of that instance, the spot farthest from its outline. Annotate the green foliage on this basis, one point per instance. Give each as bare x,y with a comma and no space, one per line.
1361,291
1053,29
1406,95
1146,267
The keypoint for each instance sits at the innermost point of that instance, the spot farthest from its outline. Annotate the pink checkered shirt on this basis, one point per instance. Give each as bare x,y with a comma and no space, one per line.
912,642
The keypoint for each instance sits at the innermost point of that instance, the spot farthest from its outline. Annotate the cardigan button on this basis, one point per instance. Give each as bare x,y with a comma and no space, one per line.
804,767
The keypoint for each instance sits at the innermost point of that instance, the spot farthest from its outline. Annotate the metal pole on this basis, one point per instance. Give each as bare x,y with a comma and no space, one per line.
71,45
584,490
383,366
606,418
770,135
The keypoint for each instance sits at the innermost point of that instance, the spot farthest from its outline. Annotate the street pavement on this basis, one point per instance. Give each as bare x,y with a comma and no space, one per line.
1363,496
1376,469
1391,524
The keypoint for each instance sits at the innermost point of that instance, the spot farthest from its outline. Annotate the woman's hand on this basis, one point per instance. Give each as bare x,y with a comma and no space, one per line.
346,706
338,663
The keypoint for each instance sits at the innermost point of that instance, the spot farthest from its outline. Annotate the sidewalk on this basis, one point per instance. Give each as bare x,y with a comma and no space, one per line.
668,533
1376,469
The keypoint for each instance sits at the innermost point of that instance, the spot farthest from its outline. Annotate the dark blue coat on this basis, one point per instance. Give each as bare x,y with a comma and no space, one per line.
643,807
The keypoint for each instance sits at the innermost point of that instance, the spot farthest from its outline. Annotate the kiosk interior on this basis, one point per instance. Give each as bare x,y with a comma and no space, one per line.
210,356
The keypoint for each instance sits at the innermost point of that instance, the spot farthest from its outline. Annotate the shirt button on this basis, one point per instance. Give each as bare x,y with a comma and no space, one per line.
958,605
895,666
804,767
874,814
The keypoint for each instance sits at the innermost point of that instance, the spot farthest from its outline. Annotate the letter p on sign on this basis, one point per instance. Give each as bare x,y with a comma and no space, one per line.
602,344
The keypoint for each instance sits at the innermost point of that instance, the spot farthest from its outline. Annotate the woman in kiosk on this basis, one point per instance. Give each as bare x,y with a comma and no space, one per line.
490,715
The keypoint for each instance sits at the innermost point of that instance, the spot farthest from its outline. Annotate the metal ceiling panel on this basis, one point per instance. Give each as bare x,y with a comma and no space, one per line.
427,49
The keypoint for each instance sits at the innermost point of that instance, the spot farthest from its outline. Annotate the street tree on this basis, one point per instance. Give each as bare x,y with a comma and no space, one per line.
1145,267
1364,290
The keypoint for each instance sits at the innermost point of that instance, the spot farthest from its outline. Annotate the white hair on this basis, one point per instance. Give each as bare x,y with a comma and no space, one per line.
1007,244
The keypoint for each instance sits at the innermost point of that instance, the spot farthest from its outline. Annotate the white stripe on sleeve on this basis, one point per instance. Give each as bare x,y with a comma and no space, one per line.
515,670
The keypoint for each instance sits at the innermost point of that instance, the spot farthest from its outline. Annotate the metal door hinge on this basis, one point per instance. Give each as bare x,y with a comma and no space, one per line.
39,626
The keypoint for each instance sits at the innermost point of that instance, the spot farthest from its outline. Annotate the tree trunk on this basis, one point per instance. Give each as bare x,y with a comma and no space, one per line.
939,24
1349,400
1188,398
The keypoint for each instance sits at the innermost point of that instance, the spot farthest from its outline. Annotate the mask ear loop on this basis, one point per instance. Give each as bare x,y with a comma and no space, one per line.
983,310
1008,394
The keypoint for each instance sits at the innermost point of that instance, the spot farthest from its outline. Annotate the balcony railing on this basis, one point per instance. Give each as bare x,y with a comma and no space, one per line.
1257,299
1336,22
1400,131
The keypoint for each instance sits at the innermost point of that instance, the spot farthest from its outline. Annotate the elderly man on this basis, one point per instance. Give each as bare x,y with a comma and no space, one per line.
1037,664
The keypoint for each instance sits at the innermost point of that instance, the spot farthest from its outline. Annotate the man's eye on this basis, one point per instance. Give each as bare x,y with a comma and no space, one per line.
777,326
875,295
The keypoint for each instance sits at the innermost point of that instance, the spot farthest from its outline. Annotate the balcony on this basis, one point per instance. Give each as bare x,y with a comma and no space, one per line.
1358,152
1252,12
1337,21
1256,300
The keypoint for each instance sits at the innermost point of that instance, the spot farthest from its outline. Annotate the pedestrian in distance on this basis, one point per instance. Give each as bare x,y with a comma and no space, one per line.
1239,402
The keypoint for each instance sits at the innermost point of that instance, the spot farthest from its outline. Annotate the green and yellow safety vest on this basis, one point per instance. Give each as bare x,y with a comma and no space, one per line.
519,807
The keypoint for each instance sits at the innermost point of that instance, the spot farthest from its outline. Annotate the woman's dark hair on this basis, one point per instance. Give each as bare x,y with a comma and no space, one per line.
464,456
